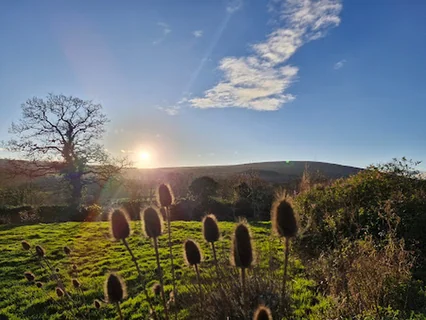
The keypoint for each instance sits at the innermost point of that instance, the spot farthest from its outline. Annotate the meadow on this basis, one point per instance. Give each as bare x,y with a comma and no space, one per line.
95,254
350,248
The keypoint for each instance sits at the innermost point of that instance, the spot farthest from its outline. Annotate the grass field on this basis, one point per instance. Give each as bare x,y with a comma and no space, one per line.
95,254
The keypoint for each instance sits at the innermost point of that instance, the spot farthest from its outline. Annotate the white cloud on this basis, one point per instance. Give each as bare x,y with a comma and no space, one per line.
166,30
197,33
260,80
171,111
175,109
165,27
127,151
233,5
339,64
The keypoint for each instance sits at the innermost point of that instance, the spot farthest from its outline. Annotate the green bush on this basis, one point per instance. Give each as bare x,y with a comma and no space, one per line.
92,212
49,214
12,214
132,207
373,202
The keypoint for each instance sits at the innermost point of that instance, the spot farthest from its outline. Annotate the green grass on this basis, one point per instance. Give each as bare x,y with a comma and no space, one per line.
96,254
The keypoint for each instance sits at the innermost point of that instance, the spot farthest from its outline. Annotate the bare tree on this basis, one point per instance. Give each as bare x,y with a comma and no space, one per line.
61,134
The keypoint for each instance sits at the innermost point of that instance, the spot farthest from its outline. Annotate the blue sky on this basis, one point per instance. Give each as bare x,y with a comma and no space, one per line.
221,82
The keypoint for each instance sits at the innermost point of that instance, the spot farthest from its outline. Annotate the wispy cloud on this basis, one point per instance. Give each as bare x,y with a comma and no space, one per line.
166,30
175,109
2,149
339,64
234,5
165,27
171,111
127,151
197,33
260,80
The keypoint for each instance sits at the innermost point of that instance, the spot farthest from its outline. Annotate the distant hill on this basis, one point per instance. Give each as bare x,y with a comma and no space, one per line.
277,172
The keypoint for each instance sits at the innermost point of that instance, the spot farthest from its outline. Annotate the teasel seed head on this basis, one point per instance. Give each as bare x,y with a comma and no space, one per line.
211,228
26,245
120,227
29,276
262,313
57,270
75,283
97,304
156,289
39,284
192,252
284,222
115,288
40,251
165,195
242,248
59,292
67,250
152,223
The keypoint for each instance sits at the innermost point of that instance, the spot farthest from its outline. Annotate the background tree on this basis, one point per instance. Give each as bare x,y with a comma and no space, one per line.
60,134
203,187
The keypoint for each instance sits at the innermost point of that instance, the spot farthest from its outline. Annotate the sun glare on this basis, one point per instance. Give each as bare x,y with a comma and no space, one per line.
144,156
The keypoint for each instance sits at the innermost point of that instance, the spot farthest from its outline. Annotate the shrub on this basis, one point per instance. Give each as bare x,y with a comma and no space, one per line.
372,202
182,210
92,212
13,214
363,277
50,214
132,207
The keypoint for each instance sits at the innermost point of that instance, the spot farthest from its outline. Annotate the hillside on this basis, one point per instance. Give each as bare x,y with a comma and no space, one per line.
277,171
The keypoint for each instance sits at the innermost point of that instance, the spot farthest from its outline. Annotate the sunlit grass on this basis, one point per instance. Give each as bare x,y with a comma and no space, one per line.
95,254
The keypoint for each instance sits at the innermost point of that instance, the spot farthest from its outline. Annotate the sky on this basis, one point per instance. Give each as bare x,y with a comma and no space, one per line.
228,81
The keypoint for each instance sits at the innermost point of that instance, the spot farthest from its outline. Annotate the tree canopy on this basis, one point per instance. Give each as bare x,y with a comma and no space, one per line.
61,134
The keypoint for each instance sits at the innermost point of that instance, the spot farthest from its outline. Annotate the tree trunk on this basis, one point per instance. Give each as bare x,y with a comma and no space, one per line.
76,190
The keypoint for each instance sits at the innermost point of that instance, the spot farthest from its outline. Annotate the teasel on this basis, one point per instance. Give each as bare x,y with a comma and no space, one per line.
262,313
165,198
284,224
29,276
156,289
59,292
153,228
242,253
165,195
121,230
211,234
193,257
97,304
119,222
40,254
25,245
115,291
67,250
40,251
75,283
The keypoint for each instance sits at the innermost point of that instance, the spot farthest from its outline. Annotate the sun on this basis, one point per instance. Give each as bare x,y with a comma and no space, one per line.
144,155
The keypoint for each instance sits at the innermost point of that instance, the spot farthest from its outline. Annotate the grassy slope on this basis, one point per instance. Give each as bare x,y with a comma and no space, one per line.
95,254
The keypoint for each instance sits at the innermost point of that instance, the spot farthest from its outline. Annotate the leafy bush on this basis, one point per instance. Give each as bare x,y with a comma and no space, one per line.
50,214
374,202
182,210
132,207
92,212
13,214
